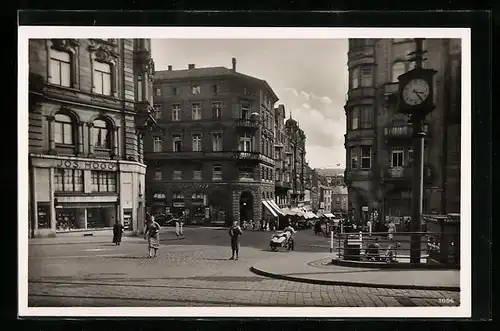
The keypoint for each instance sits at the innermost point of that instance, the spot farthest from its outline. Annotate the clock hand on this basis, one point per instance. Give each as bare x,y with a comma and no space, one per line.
418,95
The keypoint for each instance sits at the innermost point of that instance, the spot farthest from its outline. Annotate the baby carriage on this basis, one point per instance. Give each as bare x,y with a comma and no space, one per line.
282,239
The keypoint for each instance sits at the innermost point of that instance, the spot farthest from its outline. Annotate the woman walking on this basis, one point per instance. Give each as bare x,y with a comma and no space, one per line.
117,233
152,232
391,230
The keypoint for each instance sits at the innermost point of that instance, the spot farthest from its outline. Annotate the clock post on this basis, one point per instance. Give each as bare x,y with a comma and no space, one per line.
416,100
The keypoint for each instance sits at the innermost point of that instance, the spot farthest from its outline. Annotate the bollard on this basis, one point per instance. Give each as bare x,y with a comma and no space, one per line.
331,241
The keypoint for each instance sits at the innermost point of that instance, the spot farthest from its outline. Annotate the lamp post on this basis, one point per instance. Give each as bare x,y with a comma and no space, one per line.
415,98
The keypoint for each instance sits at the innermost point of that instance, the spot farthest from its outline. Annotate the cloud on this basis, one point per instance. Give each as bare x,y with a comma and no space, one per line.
326,100
306,105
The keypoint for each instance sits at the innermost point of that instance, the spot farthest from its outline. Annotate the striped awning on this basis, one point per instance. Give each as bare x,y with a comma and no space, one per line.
276,208
268,207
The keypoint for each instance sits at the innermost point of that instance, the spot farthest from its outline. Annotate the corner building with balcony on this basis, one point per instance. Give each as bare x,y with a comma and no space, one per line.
214,154
378,141
88,99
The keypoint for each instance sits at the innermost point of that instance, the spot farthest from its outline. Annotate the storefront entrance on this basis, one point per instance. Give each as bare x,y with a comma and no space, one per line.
246,206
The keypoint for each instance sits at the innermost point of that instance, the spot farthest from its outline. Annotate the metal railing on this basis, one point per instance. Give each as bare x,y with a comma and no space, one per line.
435,248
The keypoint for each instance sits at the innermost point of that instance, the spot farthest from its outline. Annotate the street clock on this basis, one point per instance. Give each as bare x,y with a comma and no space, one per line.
416,92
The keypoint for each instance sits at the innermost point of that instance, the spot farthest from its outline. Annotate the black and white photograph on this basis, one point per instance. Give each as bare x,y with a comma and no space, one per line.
317,172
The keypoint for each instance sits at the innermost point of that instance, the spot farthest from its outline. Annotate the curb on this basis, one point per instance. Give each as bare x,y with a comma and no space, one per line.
393,266
264,273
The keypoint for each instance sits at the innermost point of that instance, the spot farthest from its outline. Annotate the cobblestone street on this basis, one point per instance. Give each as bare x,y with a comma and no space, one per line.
188,272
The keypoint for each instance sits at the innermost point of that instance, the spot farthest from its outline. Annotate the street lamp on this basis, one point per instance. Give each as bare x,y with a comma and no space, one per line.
415,98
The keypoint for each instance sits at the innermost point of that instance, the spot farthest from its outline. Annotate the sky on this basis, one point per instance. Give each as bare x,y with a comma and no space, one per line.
309,76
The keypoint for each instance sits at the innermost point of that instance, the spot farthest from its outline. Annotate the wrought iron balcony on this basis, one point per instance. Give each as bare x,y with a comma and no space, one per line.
246,123
401,131
406,173
244,155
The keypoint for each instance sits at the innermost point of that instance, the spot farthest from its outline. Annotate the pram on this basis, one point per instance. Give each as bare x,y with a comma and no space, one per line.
282,239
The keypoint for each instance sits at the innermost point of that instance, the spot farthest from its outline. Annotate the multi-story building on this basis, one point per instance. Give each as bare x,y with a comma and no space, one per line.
214,156
325,197
282,169
378,140
333,176
339,200
89,100
295,154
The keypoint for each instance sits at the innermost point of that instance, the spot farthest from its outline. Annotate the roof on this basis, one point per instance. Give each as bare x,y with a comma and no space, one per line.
330,172
186,74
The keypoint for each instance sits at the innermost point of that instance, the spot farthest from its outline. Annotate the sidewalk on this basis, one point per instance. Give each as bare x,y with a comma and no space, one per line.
315,268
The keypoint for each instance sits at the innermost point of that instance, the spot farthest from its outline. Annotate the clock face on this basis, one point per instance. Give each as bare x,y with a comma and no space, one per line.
416,92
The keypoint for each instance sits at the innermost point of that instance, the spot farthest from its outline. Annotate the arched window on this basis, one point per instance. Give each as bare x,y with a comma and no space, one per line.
60,68
63,129
398,69
101,134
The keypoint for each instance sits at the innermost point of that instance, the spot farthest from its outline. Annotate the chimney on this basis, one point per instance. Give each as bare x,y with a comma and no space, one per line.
234,64
169,68
191,66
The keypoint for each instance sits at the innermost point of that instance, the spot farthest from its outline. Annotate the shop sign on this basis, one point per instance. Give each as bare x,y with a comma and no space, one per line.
364,208
178,204
86,165
159,196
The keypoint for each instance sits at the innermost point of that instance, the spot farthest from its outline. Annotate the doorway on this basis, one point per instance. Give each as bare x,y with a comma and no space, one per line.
246,206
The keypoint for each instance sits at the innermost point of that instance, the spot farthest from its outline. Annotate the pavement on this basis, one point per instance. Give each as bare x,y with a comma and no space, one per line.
195,271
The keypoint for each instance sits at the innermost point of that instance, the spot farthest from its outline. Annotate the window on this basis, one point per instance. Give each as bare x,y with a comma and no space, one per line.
398,69
158,91
196,110
410,156
101,135
354,119
217,142
366,157
196,142
217,110
103,181
245,173
245,143
175,91
177,175
217,172
366,77
245,110
102,78
68,180
157,144
354,158
366,114
63,129
197,174
60,68
158,175
176,112
196,89
177,143
215,88
177,196
157,112
139,88
397,157
355,78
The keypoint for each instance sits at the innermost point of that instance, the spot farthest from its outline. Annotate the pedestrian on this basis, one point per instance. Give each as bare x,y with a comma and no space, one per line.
179,224
391,230
234,233
152,233
117,233
369,225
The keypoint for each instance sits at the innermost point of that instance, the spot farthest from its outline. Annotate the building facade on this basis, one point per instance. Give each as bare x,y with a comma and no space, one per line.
332,176
283,172
88,102
378,141
213,155
295,161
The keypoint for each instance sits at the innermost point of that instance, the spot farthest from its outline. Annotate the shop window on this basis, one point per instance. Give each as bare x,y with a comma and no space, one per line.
63,129
102,78
68,180
101,134
366,157
60,68
103,181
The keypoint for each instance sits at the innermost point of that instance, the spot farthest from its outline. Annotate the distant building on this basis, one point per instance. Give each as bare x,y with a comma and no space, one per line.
378,142
283,173
333,176
215,156
89,101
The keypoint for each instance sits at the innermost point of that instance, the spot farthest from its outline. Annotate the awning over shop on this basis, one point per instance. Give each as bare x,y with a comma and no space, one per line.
310,215
276,208
329,215
268,207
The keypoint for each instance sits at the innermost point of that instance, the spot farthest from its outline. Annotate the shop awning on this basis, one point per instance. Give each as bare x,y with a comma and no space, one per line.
310,215
329,215
276,208
268,207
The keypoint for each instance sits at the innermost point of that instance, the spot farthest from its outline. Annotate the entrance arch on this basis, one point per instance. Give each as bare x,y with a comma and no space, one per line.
246,206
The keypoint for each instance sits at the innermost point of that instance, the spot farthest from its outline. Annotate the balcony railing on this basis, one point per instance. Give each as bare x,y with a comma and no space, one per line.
246,123
244,155
282,184
401,131
406,173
